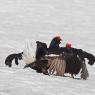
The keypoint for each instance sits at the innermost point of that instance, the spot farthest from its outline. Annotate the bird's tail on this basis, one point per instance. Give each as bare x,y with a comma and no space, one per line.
28,53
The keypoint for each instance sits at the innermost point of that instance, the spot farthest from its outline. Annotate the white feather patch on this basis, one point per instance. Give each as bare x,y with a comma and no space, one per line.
28,53
52,55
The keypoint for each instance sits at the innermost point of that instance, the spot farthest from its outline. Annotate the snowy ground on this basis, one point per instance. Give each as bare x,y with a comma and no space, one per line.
41,20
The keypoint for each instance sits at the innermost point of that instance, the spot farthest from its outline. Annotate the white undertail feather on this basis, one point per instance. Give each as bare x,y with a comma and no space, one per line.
28,53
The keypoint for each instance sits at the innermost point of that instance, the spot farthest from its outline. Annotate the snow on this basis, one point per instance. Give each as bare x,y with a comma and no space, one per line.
41,20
